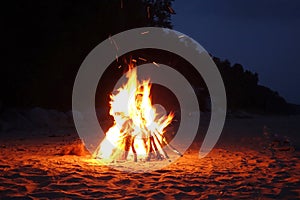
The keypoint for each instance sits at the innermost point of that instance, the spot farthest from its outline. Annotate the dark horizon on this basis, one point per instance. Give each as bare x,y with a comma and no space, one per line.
47,41
263,36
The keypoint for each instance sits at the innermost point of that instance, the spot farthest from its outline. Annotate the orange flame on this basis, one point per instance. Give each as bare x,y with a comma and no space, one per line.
135,122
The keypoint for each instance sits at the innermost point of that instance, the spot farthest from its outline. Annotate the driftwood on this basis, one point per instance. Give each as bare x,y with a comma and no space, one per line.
153,145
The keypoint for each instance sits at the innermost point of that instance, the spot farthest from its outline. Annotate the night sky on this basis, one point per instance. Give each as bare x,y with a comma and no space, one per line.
262,35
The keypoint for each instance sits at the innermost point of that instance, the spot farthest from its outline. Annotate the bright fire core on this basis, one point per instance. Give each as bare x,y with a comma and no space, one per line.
138,129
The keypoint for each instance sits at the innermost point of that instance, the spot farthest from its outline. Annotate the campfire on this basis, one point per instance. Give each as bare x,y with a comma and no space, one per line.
138,129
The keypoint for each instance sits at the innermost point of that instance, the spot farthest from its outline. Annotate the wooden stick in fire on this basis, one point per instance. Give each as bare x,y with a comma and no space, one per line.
160,144
156,151
169,145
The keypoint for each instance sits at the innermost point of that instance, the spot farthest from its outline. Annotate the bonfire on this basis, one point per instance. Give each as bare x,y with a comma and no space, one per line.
138,129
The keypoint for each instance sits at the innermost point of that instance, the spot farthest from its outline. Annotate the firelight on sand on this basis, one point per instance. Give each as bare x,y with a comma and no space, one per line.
138,129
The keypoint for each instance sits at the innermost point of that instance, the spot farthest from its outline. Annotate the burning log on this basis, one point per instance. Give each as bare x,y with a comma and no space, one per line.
171,147
138,130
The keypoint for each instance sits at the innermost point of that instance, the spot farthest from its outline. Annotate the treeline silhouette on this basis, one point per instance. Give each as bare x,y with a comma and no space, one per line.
244,92
46,41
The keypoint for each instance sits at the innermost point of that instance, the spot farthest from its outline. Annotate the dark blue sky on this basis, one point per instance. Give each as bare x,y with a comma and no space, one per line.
262,35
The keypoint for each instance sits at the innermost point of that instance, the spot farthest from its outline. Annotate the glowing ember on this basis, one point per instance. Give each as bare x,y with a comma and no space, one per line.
138,129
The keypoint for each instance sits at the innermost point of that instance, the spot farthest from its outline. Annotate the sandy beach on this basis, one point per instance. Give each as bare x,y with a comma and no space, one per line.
127,100
38,165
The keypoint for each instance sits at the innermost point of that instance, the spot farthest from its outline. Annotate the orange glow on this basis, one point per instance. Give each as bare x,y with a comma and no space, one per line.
138,129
